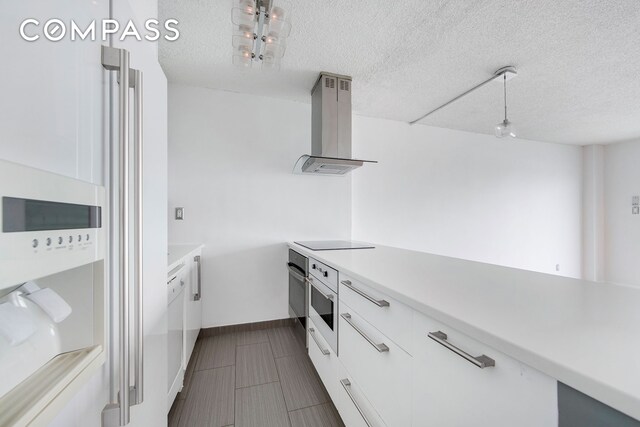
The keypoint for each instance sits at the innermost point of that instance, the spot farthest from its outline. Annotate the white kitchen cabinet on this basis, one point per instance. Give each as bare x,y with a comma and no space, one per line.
352,404
450,391
386,314
193,307
323,358
378,365
55,104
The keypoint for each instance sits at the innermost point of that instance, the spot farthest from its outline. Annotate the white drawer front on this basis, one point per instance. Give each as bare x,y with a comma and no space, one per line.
392,318
354,408
324,359
451,391
384,375
324,273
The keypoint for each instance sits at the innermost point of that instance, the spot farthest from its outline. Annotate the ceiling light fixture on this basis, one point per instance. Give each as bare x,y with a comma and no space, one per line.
504,128
260,32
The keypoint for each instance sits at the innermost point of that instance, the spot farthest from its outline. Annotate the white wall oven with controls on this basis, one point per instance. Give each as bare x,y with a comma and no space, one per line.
323,301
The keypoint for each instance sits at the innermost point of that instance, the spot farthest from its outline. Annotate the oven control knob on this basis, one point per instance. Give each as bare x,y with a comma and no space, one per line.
79,237
325,274
59,240
48,241
313,266
70,239
34,243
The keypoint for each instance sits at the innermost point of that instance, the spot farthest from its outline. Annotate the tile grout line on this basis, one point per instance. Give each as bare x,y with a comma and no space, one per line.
211,369
235,392
280,383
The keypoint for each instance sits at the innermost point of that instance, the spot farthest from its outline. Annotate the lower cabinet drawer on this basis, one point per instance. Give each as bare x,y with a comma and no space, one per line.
378,365
354,408
450,389
324,359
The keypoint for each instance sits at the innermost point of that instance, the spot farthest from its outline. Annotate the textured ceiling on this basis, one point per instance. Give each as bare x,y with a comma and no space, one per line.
578,61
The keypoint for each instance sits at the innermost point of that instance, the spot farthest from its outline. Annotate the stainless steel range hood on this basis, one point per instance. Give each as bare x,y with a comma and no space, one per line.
330,128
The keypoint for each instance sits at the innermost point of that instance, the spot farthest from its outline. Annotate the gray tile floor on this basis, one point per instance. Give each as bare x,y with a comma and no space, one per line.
261,378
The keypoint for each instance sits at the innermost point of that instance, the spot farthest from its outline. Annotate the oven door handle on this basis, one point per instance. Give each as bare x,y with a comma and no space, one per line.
326,296
296,271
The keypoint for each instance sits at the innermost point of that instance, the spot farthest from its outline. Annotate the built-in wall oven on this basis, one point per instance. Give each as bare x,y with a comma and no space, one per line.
298,269
323,301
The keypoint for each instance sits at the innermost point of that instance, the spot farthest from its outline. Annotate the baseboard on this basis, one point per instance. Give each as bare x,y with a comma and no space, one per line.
254,326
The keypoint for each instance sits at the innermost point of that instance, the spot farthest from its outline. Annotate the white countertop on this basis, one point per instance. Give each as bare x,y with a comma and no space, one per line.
584,334
177,252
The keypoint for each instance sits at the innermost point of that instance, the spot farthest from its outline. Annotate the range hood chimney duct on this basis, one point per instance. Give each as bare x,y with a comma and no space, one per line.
330,128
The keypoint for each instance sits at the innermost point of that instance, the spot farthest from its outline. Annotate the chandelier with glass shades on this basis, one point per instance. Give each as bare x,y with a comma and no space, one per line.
260,33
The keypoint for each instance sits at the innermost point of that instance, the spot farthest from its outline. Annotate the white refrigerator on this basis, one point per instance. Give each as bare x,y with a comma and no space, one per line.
60,113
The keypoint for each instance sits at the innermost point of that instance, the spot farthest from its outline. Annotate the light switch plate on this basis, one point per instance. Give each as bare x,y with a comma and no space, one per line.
179,214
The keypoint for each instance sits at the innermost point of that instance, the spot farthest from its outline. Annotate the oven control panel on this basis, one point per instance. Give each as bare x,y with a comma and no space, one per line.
324,273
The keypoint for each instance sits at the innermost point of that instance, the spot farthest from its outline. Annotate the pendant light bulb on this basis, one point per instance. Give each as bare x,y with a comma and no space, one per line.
505,128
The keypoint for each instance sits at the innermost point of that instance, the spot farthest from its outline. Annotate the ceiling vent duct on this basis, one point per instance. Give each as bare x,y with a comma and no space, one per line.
330,128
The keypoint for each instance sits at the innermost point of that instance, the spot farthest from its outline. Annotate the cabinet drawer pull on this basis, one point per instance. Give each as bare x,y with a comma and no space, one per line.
379,303
380,347
346,384
480,361
324,351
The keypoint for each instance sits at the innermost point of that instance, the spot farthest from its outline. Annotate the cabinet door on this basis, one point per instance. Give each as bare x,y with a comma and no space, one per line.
193,312
324,359
450,391
353,406
53,113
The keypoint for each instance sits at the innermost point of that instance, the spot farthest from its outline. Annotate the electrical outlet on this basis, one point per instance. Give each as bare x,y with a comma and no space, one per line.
635,210
179,214
635,200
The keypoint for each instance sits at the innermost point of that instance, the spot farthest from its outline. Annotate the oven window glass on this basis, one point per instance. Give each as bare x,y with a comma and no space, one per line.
296,296
323,306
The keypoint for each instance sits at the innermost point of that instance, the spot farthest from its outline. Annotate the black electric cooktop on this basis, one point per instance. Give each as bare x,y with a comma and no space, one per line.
332,245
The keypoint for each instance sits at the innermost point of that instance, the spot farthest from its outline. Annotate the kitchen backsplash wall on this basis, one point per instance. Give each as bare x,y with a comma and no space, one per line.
503,201
230,163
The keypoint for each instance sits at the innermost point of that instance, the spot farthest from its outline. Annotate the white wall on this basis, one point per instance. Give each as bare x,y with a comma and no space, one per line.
593,207
230,163
622,229
503,201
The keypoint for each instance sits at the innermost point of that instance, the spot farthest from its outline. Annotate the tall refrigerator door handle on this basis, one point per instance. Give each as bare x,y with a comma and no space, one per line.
114,59
118,414
136,82
198,295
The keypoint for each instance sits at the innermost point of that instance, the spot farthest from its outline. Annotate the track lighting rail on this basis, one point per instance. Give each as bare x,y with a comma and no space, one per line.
510,71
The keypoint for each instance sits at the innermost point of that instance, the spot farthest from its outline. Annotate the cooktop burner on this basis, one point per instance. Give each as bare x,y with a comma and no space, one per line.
331,245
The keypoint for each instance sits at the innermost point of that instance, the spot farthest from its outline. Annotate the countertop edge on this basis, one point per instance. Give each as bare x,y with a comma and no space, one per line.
605,393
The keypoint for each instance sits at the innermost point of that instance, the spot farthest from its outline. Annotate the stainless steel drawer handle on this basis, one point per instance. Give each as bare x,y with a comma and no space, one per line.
380,347
346,384
198,260
324,351
480,361
326,296
378,302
